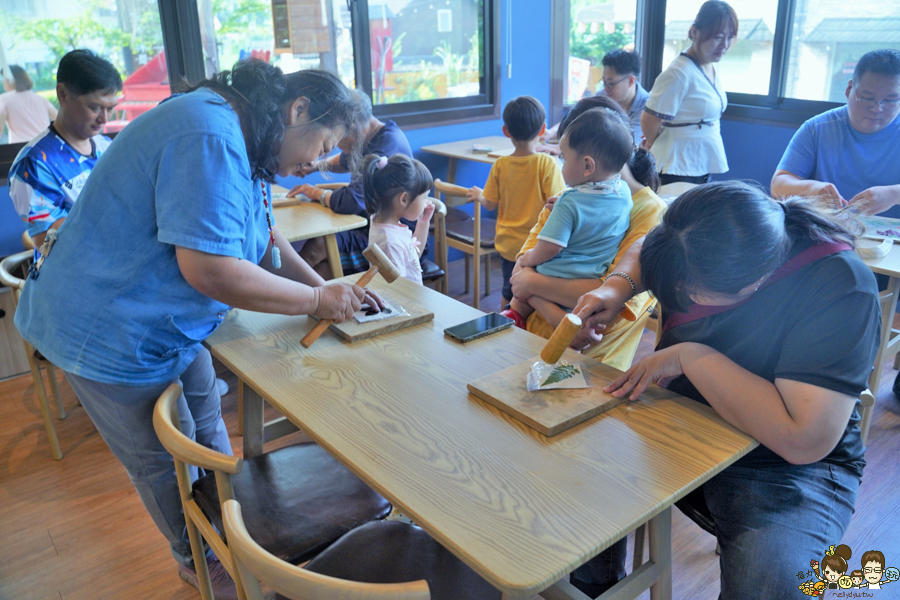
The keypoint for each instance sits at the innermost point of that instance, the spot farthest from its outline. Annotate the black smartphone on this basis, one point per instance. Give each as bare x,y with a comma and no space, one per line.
480,327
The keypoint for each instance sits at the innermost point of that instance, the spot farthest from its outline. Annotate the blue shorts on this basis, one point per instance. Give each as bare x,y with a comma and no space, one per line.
507,266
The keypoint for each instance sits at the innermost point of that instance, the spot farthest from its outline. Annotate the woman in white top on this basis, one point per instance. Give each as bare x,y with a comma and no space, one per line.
681,117
24,112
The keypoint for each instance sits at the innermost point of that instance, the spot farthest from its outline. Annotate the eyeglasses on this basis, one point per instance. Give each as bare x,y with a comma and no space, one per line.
873,569
611,84
870,103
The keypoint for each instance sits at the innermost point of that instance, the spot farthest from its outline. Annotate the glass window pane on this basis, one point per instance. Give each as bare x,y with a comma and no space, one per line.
596,27
426,49
290,34
126,32
826,44
746,68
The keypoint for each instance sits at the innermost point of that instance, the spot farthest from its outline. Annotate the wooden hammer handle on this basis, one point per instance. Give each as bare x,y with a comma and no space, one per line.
324,324
560,339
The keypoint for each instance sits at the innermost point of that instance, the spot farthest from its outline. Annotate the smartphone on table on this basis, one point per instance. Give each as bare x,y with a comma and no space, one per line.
480,327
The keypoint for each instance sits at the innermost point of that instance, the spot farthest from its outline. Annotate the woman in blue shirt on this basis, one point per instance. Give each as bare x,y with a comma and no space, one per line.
172,229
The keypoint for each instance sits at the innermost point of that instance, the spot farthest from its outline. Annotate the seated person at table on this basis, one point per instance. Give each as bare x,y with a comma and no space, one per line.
582,234
620,338
49,172
23,111
852,153
621,70
519,184
376,137
752,289
397,188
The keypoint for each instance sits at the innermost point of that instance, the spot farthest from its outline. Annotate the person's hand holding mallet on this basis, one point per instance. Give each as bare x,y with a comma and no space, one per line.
378,263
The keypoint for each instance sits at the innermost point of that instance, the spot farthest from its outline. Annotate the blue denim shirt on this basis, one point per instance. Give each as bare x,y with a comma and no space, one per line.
110,303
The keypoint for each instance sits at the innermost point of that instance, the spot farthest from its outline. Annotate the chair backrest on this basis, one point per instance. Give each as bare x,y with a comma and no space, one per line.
255,563
27,242
186,451
9,266
451,190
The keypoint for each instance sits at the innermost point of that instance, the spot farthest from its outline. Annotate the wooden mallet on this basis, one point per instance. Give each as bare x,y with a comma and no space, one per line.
561,338
378,263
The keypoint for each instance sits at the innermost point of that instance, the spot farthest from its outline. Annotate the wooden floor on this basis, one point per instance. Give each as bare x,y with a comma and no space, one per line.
75,529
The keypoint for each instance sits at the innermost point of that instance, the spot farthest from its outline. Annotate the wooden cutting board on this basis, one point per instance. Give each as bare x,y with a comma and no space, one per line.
549,411
353,331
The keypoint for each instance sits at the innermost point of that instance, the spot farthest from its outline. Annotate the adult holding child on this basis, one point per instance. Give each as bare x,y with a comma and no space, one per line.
751,289
851,153
519,184
620,338
172,229
681,117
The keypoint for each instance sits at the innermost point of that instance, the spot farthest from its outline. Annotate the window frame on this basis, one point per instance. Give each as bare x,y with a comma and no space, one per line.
442,111
650,25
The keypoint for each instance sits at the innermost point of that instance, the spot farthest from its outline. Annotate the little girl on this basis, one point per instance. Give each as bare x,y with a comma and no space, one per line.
398,187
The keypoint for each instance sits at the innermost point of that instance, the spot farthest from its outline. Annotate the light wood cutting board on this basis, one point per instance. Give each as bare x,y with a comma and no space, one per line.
353,331
549,411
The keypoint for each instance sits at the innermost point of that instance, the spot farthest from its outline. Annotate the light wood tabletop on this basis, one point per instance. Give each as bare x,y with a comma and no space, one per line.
520,508
309,220
889,265
462,150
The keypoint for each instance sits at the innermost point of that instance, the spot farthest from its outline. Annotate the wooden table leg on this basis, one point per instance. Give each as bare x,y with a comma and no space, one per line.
887,323
451,170
334,256
253,423
660,528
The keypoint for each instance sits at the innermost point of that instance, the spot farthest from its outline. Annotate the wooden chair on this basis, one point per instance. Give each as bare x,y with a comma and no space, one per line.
378,561
299,498
472,235
19,263
438,277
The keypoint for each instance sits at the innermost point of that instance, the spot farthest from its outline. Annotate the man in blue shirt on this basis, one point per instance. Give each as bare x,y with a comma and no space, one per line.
852,153
49,172
382,138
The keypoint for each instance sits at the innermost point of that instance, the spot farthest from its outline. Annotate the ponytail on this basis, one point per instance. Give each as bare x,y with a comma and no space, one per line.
643,169
723,236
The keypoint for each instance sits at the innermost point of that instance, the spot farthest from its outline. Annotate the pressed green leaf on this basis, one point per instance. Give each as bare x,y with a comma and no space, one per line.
560,373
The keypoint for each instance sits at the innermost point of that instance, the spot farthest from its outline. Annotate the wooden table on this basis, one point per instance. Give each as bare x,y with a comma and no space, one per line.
670,191
463,150
521,509
890,342
309,220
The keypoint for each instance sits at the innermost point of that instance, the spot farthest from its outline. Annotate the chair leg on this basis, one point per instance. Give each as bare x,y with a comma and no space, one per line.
897,361
54,387
466,287
44,405
639,535
487,274
240,429
476,284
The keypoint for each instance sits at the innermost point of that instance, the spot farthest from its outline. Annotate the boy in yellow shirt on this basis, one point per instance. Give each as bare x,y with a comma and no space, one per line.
520,184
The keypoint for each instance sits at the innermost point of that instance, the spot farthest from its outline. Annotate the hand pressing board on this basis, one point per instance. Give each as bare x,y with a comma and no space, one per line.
548,411
353,331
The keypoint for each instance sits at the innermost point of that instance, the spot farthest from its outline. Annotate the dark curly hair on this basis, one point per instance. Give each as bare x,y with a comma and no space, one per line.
259,91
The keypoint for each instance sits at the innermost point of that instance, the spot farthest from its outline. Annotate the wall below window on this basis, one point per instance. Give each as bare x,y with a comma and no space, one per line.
754,149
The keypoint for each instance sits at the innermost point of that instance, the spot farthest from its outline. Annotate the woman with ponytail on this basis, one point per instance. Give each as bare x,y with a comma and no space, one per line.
771,319
173,228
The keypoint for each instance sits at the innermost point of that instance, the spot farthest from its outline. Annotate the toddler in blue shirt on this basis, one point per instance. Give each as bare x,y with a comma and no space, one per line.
588,221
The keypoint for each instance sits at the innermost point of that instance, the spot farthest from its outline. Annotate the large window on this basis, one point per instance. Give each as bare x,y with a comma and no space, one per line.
595,28
412,56
748,65
128,33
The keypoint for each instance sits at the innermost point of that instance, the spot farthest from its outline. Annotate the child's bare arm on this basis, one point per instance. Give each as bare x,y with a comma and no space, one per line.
476,194
551,311
541,253
422,225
